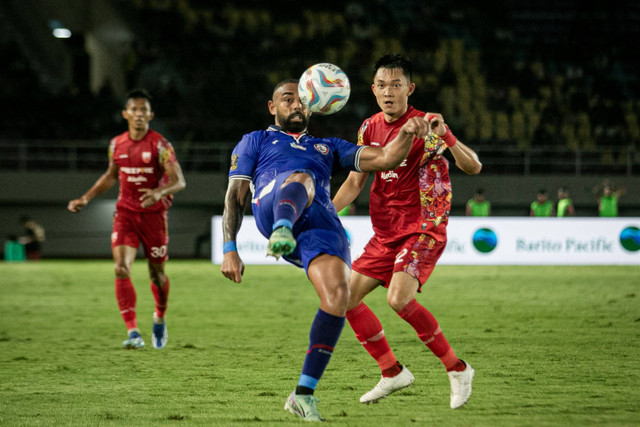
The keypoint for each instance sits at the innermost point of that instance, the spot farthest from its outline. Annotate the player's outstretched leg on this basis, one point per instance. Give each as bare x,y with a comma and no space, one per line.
303,405
460,386
160,335
281,242
134,341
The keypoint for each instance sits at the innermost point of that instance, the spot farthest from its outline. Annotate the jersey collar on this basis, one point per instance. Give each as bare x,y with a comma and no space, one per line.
296,137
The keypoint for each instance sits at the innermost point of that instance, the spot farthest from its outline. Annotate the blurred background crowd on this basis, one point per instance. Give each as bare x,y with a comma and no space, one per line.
547,77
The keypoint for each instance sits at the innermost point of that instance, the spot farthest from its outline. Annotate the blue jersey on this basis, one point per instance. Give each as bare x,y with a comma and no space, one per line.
261,155
267,158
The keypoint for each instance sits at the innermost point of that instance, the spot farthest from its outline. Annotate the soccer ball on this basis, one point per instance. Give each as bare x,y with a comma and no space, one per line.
324,88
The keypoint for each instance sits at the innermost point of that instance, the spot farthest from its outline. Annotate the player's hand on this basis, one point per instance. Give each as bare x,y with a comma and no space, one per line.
149,197
436,123
76,205
416,126
232,266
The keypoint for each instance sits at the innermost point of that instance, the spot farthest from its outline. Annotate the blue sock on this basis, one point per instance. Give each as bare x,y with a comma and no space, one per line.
290,202
324,334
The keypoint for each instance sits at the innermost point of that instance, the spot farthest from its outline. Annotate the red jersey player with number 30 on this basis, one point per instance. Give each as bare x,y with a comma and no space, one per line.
409,208
145,165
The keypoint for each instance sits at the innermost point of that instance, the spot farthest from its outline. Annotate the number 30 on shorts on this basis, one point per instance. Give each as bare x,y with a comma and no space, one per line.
158,251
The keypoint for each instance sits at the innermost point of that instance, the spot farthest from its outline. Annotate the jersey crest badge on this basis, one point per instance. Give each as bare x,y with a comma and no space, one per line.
146,156
322,149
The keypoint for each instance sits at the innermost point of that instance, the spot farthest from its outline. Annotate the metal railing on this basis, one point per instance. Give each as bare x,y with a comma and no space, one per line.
86,155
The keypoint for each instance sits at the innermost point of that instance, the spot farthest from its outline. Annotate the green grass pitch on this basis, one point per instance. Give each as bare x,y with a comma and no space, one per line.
552,346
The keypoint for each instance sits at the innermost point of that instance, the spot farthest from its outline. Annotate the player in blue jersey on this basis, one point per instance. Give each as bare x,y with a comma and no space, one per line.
288,172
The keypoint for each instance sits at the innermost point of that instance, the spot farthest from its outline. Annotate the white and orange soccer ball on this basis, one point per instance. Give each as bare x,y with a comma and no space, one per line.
324,88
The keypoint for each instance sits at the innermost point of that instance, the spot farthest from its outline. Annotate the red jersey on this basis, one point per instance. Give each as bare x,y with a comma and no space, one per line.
416,196
141,165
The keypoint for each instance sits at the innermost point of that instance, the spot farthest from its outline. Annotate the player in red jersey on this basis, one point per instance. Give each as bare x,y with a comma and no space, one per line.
409,208
145,165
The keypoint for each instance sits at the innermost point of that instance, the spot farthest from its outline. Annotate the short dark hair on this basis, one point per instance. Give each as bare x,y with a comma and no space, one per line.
138,93
282,83
394,61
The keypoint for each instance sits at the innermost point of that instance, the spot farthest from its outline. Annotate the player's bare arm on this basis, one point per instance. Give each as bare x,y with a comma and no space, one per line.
350,189
175,184
391,155
104,183
466,159
235,203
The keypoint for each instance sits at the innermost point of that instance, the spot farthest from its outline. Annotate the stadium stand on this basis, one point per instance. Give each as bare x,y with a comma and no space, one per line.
520,81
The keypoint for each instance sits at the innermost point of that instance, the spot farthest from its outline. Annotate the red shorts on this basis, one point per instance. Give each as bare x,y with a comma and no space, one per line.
416,255
129,228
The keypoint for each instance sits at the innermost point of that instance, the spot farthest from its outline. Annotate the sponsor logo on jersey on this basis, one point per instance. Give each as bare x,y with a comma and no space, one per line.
136,171
123,156
137,179
389,176
299,147
146,156
234,162
322,149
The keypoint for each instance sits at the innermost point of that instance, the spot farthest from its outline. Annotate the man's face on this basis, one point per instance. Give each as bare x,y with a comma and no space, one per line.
392,89
138,114
291,115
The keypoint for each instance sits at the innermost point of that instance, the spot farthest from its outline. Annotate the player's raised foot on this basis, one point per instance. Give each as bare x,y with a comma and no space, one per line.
134,341
303,405
281,242
388,385
460,386
160,335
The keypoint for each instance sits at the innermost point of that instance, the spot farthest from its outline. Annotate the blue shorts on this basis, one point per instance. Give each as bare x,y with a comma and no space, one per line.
317,231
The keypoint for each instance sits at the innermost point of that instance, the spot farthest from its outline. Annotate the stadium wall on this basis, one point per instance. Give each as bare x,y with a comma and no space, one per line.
44,196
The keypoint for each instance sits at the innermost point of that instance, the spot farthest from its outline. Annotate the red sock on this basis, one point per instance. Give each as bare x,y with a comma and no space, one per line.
161,295
431,335
371,335
126,296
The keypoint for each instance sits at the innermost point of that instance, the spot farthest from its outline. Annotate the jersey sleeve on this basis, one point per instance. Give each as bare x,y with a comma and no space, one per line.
166,153
348,154
112,149
362,133
244,157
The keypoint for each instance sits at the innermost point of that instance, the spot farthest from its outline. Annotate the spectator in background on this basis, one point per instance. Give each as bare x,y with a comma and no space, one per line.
542,206
478,206
13,249
608,196
348,210
565,204
33,237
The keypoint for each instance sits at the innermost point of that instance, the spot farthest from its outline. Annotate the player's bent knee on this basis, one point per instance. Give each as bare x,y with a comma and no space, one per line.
122,271
336,300
396,302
